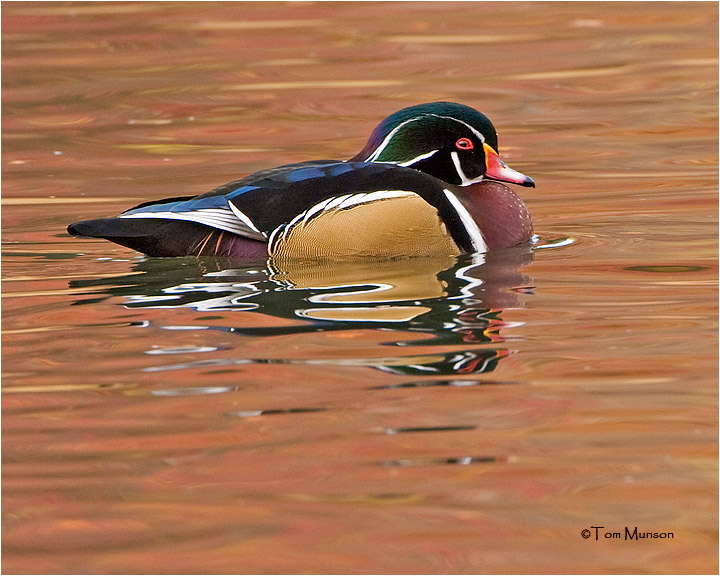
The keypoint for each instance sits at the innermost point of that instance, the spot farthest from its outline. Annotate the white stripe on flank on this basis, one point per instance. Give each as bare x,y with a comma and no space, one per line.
271,240
292,223
242,216
345,202
336,202
314,210
471,227
332,204
356,199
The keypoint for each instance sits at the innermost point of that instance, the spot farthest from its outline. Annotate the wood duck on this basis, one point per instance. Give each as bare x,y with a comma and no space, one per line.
426,183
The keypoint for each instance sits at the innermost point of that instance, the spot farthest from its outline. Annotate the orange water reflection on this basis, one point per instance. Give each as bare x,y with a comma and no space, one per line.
173,415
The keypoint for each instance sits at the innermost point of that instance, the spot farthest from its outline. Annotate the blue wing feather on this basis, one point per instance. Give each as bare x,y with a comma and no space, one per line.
304,174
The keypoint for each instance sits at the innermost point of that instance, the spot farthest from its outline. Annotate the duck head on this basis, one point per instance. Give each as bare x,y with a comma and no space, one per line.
452,142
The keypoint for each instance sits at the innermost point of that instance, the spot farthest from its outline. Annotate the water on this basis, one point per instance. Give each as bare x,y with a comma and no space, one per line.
444,415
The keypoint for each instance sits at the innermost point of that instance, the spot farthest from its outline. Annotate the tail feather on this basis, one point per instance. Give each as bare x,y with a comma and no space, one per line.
161,237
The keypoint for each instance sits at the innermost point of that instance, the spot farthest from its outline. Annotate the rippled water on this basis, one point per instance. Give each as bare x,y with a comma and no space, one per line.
464,415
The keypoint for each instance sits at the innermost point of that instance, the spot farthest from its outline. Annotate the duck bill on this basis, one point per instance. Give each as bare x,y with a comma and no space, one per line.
496,169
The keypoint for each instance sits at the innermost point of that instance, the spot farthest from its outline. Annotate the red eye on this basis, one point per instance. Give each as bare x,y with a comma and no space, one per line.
464,144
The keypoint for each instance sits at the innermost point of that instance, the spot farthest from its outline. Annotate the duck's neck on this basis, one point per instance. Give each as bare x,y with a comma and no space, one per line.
501,215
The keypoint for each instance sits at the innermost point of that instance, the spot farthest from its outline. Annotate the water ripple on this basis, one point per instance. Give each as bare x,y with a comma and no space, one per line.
456,461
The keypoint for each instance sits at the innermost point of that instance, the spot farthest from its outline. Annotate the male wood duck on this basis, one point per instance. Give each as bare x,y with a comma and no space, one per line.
426,183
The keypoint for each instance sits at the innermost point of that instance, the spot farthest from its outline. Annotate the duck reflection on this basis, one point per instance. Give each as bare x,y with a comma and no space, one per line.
451,300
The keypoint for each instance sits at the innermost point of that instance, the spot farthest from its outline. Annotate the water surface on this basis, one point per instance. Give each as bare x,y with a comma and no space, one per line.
463,415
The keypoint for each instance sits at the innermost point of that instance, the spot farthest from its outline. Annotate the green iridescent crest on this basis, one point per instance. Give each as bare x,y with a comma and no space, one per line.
421,129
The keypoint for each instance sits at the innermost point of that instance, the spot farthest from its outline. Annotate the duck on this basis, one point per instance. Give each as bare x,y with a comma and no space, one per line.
429,181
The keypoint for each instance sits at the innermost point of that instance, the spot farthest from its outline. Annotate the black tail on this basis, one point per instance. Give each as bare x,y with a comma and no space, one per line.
161,237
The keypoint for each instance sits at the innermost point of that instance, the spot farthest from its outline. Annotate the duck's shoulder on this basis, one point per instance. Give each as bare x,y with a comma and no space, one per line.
303,174
324,179
277,174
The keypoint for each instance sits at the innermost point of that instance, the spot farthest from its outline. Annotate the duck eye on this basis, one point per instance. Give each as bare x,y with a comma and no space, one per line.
464,144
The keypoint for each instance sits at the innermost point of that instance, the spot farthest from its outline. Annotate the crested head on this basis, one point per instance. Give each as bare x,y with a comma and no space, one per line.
408,129
450,141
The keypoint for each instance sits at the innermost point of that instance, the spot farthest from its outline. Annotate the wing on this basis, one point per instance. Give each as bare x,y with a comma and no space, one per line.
214,209
189,225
